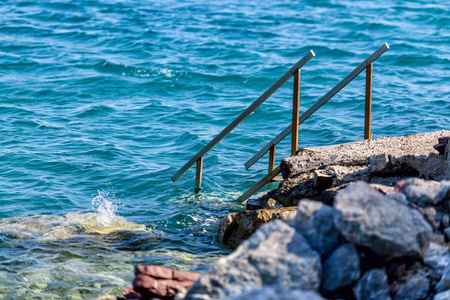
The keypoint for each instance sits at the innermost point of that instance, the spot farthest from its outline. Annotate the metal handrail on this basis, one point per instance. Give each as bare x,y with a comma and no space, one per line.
365,64
198,158
368,66
296,120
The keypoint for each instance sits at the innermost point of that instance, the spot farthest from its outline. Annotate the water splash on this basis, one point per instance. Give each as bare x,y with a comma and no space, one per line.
106,207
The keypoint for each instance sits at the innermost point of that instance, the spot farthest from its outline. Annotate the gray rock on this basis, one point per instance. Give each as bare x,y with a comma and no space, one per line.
444,284
424,192
436,250
373,285
438,264
442,296
274,255
437,237
399,197
390,229
445,221
341,268
314,221
429,213
437,258
414,289
379,163
447,233
276,293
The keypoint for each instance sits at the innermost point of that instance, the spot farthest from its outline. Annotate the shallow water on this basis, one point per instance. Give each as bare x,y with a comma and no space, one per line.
102,101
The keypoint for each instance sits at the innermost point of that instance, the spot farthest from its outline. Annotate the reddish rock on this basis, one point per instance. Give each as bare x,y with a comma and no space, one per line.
155,282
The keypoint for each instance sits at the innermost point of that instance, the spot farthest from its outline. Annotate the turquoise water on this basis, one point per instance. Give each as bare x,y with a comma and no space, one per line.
102,101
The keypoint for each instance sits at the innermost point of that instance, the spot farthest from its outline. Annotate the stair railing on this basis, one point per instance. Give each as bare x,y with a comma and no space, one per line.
270,147
296,120
198,158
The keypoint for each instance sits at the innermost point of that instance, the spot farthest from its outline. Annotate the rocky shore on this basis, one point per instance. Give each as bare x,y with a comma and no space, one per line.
365,220
371,222
319,173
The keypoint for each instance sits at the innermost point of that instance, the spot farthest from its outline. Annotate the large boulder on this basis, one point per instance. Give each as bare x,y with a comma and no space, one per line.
276,293
237,227
314,221
341,268
373,285
275,255
387,227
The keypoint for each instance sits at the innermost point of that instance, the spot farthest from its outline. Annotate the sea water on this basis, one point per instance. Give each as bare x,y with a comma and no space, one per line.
101,101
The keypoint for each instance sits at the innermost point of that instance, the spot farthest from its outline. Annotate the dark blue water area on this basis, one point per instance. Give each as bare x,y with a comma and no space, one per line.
101,102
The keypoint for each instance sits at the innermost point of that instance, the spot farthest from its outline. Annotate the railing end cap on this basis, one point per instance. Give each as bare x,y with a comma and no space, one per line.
312,53
387,46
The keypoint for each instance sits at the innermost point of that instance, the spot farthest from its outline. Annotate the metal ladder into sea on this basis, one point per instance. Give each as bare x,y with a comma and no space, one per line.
293,127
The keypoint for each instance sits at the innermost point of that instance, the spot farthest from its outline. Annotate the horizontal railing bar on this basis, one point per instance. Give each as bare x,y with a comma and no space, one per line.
318,104
244,114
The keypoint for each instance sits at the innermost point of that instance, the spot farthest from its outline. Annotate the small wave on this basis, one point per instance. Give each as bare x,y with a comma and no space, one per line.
94,110
124,70
13,110
9,54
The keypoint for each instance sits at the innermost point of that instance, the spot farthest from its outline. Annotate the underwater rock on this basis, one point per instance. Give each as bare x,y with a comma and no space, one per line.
48,227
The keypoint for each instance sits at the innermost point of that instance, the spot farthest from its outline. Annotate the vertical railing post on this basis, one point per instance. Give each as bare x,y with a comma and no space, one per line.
198,175
272,158
368,109
295,112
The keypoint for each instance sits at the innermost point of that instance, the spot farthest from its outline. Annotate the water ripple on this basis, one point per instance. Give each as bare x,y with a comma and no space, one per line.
117,95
